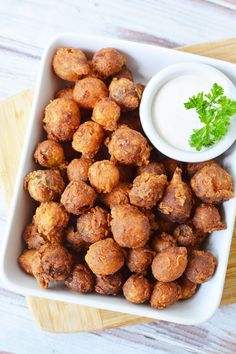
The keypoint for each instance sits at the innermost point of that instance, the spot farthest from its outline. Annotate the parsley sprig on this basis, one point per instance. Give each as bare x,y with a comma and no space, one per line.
215,111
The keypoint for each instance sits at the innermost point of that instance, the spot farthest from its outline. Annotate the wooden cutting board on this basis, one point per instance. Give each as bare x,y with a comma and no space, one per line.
55,316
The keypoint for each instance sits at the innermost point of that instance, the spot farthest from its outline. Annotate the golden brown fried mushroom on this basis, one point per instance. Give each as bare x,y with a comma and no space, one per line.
70,64
78,169
169,264
51,263
152,167
163,241
44,185
152,218
137,289
207,219
81,279
188,235
49,153
109,284
105,257
50,218
165,294
78,197
201,266
93,225
106,113
118,195
212,184
65,93
129,147
188,288
139,259
124,92
75,240
103,176
61,119
177,202
88,91
26,260
32,238
193,167
129,226
147,189
88,138
108,61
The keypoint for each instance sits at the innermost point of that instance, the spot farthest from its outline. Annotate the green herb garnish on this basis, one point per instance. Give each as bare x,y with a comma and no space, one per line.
215,111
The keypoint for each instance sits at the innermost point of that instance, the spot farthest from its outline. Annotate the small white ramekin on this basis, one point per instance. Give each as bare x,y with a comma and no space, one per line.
146,115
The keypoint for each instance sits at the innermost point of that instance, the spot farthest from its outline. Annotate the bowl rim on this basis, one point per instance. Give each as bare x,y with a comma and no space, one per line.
156,83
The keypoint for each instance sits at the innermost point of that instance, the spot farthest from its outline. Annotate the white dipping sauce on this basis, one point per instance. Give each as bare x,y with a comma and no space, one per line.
170,117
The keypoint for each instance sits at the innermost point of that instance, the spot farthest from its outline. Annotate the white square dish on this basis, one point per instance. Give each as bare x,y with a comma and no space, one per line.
145,61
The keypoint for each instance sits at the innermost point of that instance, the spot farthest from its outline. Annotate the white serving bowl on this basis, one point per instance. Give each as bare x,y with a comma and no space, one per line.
144,60
146,111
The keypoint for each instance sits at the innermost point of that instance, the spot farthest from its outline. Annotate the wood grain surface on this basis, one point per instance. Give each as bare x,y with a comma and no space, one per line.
63,317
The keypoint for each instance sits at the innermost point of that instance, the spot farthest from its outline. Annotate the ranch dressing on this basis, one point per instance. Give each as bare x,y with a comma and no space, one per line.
171,119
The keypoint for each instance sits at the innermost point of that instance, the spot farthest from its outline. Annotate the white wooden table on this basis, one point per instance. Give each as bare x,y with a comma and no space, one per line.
25,27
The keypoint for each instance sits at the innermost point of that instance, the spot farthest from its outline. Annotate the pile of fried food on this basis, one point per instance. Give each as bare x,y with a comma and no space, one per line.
116,215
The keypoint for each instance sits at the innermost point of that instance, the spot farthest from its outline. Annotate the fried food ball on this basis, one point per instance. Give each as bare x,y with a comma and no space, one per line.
104,176
201,266
106,113
152,218
44,185
93,225
108,61
105,257
32,238
137,289
65,93
187,288
50,218
78,197
109,284
118,195
147,189
139,259
171,165
26,260
188,235
129,147
152,167
207,218
78,169
75,240
212,184
193,167
124,92
169,264
165,294
61,119
52,263
88,91
49,153
177,202
162,242
88,138
81,279
70,64
124,73
130,227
